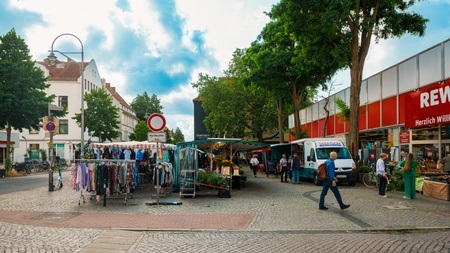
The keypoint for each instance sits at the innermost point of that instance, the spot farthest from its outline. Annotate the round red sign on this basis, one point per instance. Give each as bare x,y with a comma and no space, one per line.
50,126
156,122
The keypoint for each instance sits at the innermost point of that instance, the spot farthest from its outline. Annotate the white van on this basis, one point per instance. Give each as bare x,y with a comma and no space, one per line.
315,151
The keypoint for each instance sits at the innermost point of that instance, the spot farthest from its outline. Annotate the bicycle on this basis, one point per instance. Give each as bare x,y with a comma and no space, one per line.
370,179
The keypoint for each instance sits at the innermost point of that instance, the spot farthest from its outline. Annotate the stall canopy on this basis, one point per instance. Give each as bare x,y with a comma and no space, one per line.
133,145
236,145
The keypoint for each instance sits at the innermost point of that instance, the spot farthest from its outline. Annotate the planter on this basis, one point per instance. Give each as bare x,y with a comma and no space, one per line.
2,172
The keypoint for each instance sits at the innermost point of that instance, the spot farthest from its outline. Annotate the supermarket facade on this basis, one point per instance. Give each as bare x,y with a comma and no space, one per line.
403,108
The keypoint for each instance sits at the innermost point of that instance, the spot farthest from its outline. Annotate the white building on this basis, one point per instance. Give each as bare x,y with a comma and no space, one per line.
65,84
128,119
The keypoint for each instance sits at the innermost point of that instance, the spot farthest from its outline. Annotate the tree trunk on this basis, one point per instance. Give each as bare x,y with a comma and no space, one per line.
280,120
296,99
355,90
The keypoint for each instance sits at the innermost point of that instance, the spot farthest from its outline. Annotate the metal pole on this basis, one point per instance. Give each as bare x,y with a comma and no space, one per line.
82,88
50,154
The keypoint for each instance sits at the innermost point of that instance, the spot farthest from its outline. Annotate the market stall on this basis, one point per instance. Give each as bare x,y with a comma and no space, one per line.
213,156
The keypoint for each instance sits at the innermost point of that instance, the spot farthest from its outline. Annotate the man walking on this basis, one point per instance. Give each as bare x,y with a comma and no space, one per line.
331,183
381,174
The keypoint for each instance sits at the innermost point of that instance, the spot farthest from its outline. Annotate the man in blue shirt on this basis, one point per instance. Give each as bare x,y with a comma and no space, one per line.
331,183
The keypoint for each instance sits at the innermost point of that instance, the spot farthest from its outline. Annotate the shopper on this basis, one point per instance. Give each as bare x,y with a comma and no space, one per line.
408,168
295,167
331,183
254,164
446,162
381,174
284,168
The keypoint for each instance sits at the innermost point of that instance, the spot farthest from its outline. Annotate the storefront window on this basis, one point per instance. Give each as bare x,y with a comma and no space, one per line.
445,132
425,134
34,151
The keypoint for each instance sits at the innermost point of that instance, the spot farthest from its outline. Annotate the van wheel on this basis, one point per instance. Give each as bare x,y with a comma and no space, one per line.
316,180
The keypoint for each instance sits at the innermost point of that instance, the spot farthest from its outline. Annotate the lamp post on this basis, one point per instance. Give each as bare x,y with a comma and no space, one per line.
26,146
52,57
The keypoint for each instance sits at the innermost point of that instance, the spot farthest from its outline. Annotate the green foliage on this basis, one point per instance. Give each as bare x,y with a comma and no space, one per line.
397,183
344,108
169,138
178,136
43,154
145,106
140,131
8,163
23,97
101,117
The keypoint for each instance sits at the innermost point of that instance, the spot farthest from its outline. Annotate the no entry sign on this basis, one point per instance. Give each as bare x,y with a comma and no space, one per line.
50,127
156,122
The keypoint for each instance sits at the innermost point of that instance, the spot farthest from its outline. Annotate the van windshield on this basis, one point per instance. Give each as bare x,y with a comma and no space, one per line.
324,153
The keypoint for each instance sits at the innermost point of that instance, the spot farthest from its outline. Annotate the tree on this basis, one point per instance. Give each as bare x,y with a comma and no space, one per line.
289,67
101,117
140,131
23,98
144,106
178,136
348,27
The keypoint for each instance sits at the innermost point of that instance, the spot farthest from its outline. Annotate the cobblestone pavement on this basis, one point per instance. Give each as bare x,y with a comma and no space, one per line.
265,216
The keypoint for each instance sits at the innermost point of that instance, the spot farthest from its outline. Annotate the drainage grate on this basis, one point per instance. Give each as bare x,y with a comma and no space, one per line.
56,215
398,207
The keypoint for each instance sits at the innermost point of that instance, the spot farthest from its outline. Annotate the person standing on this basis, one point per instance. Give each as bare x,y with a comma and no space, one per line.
381,174
409,176
446,162
284,168
254,164
295,167
331,183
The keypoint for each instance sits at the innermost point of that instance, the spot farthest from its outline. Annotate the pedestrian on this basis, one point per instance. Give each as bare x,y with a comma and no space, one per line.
331,183
408,168
446,162
254,164
381,174
284,168
295,167
403,155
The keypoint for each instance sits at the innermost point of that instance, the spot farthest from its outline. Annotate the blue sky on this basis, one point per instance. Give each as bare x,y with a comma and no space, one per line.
160,46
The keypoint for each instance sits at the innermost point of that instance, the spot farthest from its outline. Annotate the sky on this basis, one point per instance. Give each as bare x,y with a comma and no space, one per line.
161,46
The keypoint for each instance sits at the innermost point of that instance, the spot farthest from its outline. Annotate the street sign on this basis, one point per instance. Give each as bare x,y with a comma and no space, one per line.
50,126
157,137
55,107
156,122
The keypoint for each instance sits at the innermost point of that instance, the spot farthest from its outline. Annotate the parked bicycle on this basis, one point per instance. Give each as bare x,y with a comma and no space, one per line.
370,179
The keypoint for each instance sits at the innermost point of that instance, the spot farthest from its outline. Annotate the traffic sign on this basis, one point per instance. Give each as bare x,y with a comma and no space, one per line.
156,122
50,126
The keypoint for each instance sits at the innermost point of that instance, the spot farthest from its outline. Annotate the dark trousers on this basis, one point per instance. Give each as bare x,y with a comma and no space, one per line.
284,173
254,168
382,185
327,185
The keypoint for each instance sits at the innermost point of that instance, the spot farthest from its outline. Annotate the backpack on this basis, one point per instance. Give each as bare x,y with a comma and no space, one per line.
322,172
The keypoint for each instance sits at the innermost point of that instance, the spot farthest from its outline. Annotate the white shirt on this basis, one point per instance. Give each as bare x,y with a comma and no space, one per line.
381,168
283,162
254,161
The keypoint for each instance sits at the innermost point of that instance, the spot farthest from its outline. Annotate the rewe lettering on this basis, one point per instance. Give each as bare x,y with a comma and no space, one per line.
435,97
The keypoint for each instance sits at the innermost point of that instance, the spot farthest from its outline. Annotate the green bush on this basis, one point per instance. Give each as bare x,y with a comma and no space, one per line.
397,181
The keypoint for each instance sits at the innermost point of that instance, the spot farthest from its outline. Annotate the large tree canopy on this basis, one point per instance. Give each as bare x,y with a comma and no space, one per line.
23,99
101,117
348,27
144,105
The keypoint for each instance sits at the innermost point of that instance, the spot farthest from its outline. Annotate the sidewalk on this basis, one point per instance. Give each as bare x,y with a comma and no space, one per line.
265,204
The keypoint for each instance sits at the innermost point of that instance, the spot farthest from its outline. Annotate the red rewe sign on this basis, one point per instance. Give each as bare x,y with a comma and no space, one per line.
428,106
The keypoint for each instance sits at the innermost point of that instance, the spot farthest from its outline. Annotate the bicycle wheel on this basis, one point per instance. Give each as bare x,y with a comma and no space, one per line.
367,180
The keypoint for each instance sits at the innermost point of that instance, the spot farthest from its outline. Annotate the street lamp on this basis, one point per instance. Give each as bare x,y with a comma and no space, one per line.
52,58
26,145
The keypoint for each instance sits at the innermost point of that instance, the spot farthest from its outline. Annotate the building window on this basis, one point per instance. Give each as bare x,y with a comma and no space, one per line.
34,151
63,101
63,126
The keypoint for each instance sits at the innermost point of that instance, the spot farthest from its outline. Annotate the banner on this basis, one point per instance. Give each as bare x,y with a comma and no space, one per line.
428,106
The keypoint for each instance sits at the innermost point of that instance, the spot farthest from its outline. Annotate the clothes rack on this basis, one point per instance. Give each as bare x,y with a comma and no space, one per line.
107,177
